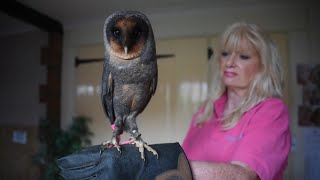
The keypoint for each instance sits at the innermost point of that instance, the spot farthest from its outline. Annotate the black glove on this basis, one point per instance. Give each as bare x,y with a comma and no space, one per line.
172,164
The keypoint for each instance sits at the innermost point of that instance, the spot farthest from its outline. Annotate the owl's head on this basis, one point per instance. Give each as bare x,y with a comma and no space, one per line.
126,33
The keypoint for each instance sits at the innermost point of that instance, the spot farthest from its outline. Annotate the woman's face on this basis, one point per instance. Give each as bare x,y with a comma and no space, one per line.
239,66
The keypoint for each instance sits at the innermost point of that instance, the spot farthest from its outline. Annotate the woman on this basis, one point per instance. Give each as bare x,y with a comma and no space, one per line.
242,130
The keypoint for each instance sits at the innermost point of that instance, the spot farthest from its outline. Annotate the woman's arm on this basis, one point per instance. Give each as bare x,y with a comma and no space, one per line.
215,171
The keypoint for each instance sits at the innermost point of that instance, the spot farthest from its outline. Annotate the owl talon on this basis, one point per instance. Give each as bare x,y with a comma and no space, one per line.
109,144
154,152
141,145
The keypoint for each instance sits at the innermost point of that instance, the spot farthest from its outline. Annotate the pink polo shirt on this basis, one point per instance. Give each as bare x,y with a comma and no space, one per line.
261,139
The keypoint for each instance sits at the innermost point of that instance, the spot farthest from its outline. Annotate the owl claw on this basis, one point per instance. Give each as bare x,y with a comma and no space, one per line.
141,145
109,144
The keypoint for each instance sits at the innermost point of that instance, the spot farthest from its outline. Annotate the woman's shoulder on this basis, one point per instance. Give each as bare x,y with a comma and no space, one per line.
274,102
272,107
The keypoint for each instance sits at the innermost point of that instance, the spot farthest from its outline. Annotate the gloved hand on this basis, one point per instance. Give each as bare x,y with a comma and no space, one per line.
112,165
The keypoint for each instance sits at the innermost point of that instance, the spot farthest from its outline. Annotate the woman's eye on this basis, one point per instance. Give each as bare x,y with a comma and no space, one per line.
224,53
244,57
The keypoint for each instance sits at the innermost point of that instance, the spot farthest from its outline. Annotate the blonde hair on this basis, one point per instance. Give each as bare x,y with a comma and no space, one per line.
267,83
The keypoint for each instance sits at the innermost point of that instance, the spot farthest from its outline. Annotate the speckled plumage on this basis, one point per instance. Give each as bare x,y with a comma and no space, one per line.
130,70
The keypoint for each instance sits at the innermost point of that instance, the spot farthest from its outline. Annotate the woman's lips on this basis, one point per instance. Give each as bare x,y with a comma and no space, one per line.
229,74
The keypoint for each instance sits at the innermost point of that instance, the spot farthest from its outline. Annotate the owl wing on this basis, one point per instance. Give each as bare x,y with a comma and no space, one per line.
107,88
155,79
153,84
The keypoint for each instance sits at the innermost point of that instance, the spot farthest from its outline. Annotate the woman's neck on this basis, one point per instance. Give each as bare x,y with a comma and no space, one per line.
234,99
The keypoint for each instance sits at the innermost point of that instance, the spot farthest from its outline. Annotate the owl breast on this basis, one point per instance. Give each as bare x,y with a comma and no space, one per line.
132,90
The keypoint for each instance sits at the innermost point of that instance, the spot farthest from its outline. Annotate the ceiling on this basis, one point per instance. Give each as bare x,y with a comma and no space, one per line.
70,12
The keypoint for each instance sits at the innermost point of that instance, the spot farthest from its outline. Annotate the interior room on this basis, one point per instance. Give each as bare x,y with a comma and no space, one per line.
51,70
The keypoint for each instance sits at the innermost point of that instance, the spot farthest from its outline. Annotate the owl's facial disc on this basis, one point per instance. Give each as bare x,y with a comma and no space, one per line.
127,37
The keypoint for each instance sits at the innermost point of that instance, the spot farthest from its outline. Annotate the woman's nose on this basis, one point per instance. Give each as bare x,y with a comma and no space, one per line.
231,60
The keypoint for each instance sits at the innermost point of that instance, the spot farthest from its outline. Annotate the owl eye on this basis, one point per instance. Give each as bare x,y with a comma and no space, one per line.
136,33
116,33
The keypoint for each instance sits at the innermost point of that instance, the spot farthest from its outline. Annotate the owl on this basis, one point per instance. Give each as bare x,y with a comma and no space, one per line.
130,75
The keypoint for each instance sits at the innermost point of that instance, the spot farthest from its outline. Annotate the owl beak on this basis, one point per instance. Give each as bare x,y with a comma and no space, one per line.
126,50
